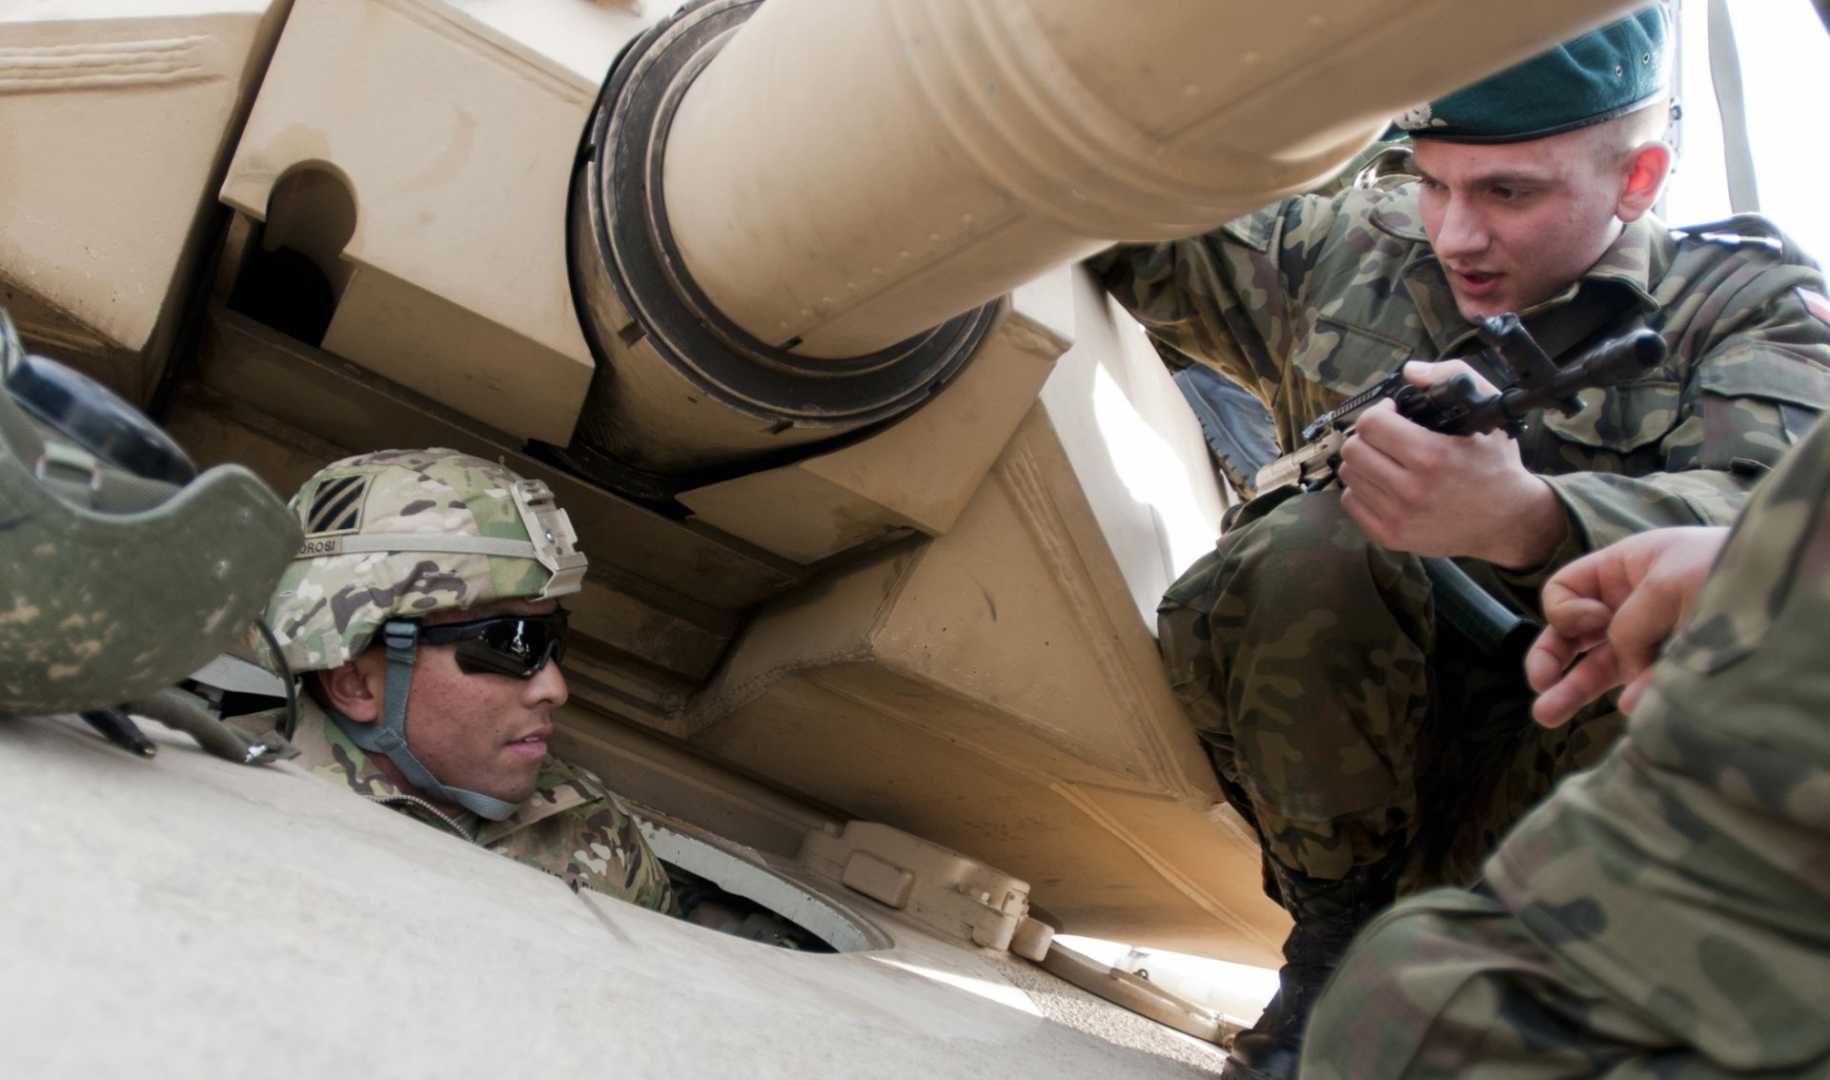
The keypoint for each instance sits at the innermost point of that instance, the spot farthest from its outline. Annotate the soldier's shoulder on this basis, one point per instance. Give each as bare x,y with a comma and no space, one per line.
1389,209
568,801
1393,209
567,782
583,812
1745,262
1743,236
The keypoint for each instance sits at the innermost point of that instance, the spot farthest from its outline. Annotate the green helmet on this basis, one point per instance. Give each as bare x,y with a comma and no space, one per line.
125,571
393,536
399,534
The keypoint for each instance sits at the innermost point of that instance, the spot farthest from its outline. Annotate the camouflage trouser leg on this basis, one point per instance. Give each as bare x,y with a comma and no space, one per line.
1449,984
1614,983
1300,650
1488,763
1639,925
1311,664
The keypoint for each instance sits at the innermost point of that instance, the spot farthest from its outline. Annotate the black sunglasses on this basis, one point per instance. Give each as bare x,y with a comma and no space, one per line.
513,645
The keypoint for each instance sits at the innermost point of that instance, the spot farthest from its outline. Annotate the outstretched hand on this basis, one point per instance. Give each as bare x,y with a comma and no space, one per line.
1415,490
1613,609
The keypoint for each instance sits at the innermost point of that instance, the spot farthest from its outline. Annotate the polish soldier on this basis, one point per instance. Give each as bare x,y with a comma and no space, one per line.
1374,750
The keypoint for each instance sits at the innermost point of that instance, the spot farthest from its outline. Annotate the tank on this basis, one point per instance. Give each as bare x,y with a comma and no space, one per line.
879,492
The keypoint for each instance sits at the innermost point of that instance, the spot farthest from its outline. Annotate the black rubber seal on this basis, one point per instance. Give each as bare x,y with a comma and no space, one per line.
618,213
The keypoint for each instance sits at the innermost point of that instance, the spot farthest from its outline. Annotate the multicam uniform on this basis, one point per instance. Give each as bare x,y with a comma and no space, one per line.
572,827
401,534
1668,913
1339,719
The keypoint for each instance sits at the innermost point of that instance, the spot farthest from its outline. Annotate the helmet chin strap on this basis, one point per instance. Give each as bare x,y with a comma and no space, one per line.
389,737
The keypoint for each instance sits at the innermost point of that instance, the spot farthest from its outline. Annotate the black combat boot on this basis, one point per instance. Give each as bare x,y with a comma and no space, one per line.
1328,914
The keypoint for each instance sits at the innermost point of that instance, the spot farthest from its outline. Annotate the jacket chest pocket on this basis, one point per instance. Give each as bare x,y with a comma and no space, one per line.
1613,423
1748,415
1347,359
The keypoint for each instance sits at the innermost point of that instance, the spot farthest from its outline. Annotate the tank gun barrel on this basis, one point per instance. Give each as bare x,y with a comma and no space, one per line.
793,219
796,218
841,177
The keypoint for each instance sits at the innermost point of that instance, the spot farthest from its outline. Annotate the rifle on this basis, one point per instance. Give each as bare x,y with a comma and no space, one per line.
1456,406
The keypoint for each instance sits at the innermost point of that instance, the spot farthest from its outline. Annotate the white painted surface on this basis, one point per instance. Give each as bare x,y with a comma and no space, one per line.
1135,446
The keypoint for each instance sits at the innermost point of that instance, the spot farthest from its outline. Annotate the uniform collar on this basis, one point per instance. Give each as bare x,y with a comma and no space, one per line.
1628,268
332,757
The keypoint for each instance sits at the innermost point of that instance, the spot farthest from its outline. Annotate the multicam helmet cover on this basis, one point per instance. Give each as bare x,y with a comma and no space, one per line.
403,533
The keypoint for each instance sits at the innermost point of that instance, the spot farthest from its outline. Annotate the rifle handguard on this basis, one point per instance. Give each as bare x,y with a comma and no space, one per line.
1455,405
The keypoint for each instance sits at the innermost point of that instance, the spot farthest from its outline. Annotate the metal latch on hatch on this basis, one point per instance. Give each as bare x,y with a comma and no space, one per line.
944,891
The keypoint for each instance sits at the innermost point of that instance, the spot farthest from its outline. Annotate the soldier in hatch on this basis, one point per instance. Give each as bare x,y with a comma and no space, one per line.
1374,751
423,610
1663,913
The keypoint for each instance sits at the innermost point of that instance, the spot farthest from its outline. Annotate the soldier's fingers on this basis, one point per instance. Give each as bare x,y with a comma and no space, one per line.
1417,449
1548,656
1629,698
1381,425
1364,465
1425,372
1576,616
1578,581
1592,676
1642,623
1601,576
1368,509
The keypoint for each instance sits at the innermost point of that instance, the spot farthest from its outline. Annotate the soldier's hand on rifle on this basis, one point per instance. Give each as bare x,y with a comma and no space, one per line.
1613,609
1415,490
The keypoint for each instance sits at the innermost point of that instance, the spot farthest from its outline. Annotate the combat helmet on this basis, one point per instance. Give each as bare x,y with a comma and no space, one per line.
393,536
125,571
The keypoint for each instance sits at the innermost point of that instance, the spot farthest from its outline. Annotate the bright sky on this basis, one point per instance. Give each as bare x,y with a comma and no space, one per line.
1785,79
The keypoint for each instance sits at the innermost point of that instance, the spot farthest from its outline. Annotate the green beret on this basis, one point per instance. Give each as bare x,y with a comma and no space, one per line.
1602,74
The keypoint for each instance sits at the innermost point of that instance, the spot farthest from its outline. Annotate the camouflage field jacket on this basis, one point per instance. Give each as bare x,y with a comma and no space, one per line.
1313,299
573,827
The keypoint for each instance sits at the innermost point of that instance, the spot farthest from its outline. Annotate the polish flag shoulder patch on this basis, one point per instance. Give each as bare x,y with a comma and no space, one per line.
1816,303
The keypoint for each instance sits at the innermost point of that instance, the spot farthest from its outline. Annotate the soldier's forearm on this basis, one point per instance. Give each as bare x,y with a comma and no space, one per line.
1603,508
1536,526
